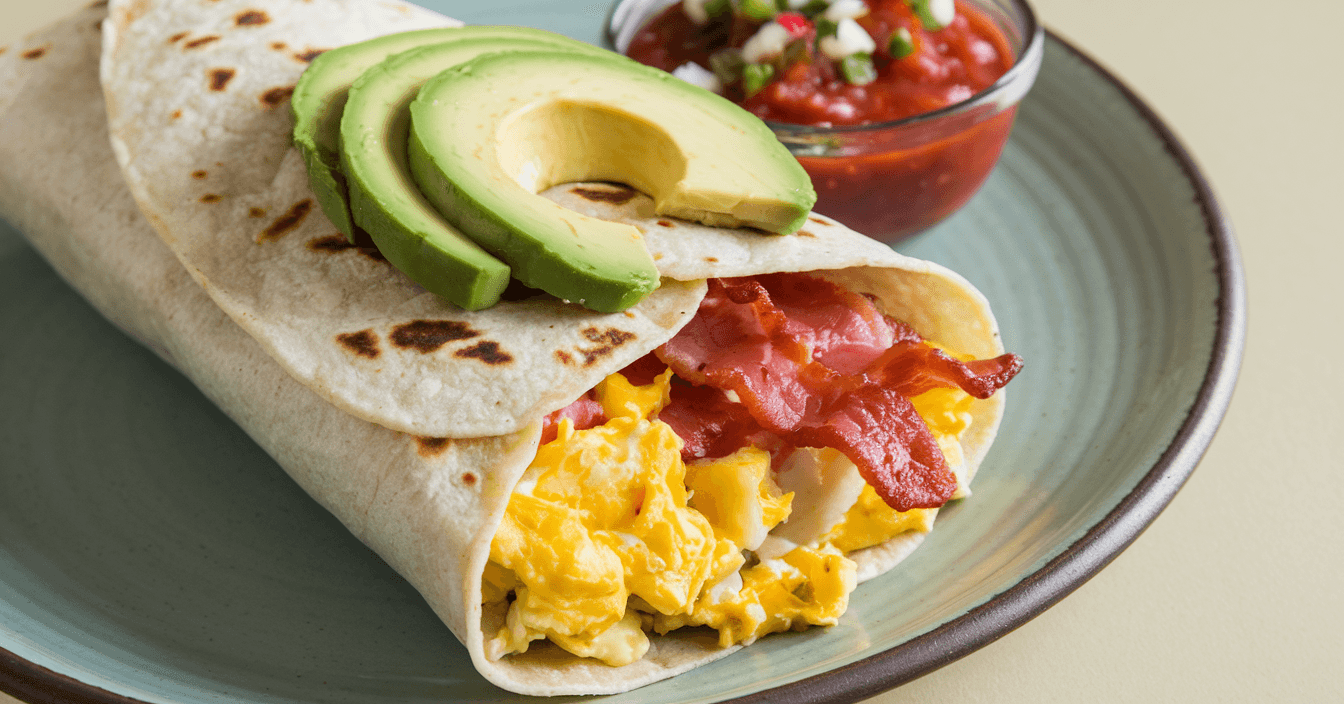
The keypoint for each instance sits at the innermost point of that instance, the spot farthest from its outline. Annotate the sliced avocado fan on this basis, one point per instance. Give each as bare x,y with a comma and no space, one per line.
490,134
321,92
384,199
317,102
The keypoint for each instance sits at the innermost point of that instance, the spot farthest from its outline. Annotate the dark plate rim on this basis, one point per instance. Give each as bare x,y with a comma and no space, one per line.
1008,610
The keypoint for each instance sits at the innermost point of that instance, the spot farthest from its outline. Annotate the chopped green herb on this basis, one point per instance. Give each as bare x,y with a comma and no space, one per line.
934,14
826,28
755,77
901,44
727,64
858,69
815,7
757,9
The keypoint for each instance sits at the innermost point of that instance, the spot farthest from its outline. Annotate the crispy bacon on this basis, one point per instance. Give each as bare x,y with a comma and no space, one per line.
912,369
843,330
708,423
815,365
738,341
879,430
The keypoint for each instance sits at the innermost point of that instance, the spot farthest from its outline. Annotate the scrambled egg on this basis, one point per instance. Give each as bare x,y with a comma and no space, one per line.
610,535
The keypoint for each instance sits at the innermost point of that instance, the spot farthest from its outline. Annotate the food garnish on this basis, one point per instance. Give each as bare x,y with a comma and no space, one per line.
440,158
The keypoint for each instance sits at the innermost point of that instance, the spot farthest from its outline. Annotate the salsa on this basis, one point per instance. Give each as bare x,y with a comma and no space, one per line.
811,72
943,67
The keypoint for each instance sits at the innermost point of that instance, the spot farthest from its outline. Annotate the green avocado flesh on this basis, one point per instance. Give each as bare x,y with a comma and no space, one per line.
490,134
384,200
318,100
320,96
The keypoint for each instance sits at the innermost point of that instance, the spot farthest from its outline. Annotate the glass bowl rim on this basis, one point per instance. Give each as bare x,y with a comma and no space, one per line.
1024,68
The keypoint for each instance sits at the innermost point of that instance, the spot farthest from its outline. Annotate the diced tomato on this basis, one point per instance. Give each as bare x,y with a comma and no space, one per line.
947,66
795,23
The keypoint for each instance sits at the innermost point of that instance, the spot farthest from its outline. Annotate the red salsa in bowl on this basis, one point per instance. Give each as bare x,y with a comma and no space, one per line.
898,109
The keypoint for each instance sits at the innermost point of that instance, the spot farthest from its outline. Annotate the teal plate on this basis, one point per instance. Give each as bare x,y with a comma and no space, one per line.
149,551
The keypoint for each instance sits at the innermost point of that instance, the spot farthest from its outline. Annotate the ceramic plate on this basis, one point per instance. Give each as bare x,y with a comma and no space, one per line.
149,551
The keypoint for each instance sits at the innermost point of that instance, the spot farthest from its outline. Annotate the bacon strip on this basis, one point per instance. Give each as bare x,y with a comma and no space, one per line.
880,431
708,423
912,369
817,366
843,330
738,341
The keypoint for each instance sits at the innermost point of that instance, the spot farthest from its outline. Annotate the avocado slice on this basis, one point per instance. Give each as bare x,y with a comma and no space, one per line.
491,133
384,199
318,100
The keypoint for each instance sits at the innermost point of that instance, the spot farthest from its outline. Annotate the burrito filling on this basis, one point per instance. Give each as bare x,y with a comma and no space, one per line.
721,480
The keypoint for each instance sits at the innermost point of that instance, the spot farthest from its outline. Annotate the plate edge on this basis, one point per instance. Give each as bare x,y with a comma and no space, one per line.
1116,531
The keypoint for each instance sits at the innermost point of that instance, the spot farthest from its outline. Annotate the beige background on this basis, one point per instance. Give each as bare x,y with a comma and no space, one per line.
1235,593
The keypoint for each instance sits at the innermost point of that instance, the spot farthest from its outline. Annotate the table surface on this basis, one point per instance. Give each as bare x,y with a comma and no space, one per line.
1233,594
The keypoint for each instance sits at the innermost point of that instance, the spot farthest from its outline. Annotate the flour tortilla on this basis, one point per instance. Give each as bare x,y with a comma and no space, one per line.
428,507
202,133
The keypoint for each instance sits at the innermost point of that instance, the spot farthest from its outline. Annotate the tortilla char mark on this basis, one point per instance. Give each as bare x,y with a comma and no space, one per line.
201,41
306,56
426,336
220,77
334,244
605,341
362,344
251,18
275,96
486,351
330,243
430,447
287,222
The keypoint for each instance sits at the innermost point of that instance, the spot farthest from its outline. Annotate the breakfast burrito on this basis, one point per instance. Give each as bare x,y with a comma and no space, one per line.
591,501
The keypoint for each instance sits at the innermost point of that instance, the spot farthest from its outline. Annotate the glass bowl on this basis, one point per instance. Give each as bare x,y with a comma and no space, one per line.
891,180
